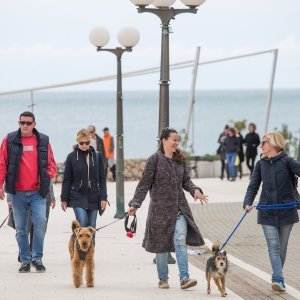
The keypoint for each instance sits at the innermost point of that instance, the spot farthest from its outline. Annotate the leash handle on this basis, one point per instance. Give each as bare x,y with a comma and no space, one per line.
133,225
233,231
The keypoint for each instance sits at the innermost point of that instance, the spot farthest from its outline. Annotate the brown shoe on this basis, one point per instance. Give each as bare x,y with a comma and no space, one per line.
163,284
187,283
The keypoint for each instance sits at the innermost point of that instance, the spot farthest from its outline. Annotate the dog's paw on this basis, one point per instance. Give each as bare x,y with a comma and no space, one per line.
90,284
208,291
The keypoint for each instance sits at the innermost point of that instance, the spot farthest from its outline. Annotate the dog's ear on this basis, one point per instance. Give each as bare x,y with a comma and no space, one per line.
76,230
92,230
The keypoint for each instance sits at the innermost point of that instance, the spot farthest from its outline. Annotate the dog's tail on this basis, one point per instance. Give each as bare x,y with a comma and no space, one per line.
75,224
215,247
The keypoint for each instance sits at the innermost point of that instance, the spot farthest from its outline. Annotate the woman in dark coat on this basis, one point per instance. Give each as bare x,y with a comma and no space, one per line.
276,170
84,183
170,225
232,146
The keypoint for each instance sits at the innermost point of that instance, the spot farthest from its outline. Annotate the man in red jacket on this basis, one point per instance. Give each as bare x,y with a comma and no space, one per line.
26,167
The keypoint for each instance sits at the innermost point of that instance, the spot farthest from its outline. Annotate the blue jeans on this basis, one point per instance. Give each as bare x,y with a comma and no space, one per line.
24,203
86,217
277,240
180,250
230,157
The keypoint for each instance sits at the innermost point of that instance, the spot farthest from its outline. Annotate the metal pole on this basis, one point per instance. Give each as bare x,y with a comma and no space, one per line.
270,95
164,79
120,197
120,149
192,97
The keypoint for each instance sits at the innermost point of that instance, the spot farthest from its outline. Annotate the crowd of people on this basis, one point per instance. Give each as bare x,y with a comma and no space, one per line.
27,166
231,151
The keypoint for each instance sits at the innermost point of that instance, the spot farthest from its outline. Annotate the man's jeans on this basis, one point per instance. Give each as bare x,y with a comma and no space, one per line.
230,157
277,240
180,250
86,217
24,203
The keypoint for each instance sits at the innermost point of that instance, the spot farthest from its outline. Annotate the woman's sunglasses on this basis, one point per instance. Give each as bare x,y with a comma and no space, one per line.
263,142
84,143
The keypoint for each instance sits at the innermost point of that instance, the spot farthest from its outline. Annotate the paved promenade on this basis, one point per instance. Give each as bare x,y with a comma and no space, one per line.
125,271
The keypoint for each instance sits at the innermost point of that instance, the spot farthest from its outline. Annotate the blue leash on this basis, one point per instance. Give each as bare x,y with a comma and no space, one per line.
233,231
264,208
277,206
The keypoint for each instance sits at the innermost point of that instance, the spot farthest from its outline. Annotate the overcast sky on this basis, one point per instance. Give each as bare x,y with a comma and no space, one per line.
46,41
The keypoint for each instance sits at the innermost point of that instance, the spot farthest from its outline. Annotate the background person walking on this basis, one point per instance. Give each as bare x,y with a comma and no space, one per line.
252,142
232,146
26,165
109,147
276,170
97,143
222,152
170,224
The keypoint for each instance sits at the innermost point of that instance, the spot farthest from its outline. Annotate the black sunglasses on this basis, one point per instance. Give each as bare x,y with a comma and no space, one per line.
84,143
263,142
26,123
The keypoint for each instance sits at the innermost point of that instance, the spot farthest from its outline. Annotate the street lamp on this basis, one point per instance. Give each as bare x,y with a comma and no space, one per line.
163,10
128,37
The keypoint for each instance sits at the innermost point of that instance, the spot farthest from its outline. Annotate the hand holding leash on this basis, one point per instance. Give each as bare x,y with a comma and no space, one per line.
199,196
103,204
131,211
248,208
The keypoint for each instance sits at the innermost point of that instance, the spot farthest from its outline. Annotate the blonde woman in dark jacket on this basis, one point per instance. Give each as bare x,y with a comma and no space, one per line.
84,183
276,170
170,225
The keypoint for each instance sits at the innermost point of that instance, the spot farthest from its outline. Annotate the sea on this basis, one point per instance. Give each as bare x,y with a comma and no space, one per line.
60,114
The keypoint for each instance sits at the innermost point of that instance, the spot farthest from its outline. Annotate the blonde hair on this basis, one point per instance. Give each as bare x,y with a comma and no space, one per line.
83,134
276,140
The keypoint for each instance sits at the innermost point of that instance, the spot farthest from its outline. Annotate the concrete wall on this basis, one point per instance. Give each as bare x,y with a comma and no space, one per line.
201,169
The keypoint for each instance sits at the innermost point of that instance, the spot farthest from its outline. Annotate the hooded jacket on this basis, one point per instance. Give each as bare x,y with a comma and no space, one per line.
80,187
277,188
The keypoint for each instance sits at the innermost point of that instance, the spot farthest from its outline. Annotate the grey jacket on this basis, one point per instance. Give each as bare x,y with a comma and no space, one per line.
165,179
277,188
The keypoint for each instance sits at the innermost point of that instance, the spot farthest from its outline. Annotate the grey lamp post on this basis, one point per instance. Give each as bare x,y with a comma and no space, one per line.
163,10
128,37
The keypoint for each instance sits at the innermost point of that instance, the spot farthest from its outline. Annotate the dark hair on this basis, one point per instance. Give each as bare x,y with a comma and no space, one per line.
232,130
165,134
105,129
27,114
226,126
252,124
94,128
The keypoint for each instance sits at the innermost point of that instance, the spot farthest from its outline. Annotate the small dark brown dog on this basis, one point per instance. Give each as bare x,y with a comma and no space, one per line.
82,249
216,268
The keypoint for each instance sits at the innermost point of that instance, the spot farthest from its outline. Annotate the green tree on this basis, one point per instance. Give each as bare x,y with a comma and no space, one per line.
291,142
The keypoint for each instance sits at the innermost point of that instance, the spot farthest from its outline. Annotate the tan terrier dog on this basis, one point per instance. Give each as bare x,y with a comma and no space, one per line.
82,249
216,268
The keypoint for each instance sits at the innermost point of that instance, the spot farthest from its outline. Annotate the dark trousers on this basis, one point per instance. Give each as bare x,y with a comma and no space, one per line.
250,160
113,171
224,167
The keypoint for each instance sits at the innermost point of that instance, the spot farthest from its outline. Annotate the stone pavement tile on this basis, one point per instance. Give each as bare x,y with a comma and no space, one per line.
217,220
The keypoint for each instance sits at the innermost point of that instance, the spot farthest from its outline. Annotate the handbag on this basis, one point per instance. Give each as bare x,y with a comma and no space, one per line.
237,161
